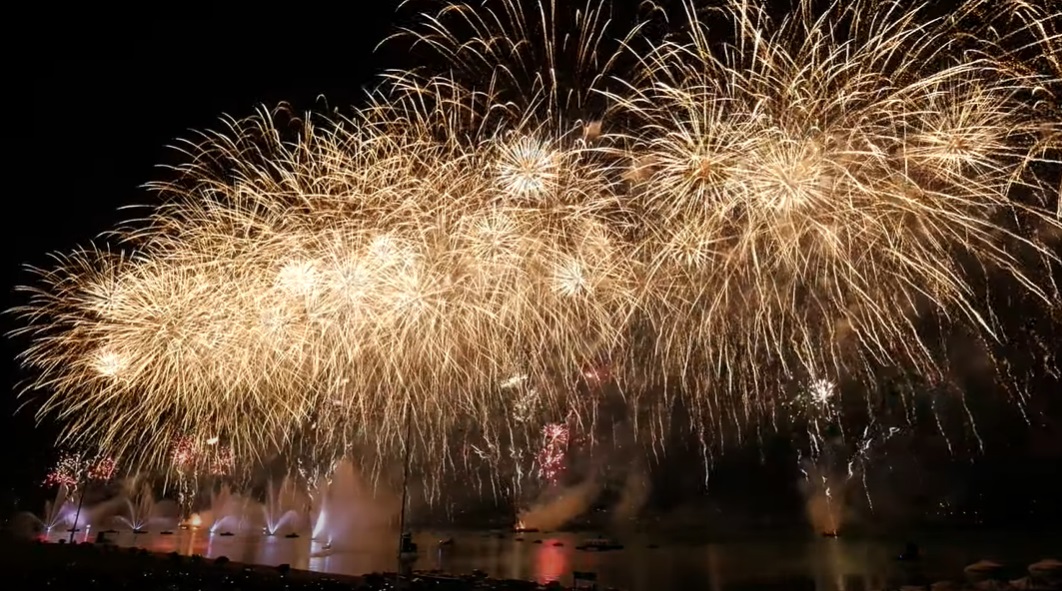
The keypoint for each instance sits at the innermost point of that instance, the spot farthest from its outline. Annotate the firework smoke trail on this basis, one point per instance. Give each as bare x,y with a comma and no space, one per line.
784,203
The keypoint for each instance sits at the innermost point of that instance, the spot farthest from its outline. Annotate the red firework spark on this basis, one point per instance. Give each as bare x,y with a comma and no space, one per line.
72,467
554,448
192,455
185,452
222,462
103,469
67,472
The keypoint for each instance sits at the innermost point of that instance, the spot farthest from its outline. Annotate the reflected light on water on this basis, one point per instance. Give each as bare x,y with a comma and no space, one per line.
834,565
838,564
516,562
714,574
551,562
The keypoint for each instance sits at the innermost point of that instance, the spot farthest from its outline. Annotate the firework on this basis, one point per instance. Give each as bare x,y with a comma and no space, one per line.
550,458
67,472
191,456
723,219
808,203
102,470
74,468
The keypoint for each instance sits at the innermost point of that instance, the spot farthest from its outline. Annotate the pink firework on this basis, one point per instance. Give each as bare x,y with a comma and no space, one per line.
102,469
185,453
554,448
222,461
67,472
72,468
190,455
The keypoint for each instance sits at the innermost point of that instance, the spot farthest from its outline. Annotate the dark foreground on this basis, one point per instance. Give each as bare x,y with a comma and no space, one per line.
87,567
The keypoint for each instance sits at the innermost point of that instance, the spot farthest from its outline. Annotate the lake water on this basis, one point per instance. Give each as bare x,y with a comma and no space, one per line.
646,563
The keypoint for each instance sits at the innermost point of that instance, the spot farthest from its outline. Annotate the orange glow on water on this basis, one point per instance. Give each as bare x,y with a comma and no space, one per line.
551,562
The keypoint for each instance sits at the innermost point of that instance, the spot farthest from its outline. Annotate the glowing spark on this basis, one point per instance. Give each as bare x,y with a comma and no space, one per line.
554,448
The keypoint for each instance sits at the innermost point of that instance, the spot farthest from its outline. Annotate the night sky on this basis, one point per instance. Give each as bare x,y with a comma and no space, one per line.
99,98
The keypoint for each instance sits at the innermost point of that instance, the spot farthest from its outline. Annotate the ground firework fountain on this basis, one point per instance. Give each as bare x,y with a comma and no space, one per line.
279,509
351,513
226,511
318,510
58,511
140,509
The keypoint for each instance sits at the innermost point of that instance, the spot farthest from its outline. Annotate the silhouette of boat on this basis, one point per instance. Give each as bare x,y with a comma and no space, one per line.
292,535
599,545
982,568
226,534
1046,572
166,533
109,531
137,532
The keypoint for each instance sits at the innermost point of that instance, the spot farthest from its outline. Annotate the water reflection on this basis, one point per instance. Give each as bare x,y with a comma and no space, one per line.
822,564
551,561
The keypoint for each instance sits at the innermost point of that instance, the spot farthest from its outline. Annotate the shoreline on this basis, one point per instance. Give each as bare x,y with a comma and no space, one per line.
36,563
91,566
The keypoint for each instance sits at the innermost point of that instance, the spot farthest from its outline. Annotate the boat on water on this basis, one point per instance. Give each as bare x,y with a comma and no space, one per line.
292,535
1047,566
982,568
599,545
226,534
